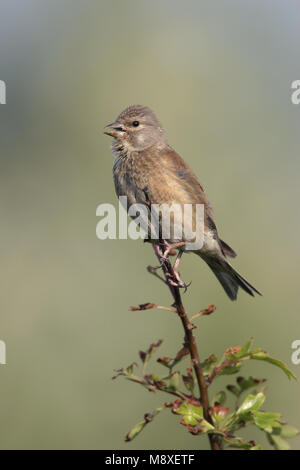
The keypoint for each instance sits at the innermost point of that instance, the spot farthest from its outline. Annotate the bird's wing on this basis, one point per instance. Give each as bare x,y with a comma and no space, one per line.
183,184
174,181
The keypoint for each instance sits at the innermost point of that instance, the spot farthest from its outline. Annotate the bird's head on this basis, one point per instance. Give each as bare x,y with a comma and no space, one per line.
136,128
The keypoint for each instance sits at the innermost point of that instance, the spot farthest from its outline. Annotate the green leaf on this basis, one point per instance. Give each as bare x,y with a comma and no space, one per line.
208,365
219,398
266,421
174,381
166,361
206,426
279,435
244,349
251,403
230,370
233,389
135,431
189,381
191,414
140,426
244,352
258,447
129,369
278,442
263,356
288,432
169,362
145,356
125,371
237,443
245,384
239,352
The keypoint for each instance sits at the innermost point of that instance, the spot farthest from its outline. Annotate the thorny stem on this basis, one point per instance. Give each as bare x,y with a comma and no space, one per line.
190,341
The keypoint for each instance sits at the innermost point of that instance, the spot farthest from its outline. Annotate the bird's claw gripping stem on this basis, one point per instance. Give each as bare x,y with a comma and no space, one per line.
173,276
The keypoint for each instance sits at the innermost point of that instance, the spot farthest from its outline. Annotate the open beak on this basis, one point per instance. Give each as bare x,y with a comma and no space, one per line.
116,129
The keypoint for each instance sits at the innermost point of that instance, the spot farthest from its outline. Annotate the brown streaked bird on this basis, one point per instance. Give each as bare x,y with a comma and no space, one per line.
147,170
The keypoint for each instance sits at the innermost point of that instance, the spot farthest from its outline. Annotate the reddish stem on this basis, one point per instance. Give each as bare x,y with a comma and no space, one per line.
190,341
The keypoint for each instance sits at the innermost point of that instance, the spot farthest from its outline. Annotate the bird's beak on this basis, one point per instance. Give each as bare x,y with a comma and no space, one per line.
116,129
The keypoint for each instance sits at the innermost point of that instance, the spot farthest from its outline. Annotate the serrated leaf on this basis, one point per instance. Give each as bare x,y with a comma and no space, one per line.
241,353
266,421
251,403
245,384
192,415
263,356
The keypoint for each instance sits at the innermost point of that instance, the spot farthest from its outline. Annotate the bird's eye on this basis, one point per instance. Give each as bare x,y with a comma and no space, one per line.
135,123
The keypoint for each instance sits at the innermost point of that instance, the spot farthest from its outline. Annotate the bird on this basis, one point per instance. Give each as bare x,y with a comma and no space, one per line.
147,170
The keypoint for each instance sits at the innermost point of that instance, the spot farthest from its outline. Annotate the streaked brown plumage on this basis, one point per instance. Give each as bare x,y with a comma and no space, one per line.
147,170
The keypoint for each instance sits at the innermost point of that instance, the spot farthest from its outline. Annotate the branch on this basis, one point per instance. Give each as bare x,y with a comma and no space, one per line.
190,341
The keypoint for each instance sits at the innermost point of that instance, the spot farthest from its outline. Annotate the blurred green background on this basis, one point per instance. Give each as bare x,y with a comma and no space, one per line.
218,75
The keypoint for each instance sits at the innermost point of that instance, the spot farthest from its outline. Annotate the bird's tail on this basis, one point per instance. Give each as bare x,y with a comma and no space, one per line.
230,279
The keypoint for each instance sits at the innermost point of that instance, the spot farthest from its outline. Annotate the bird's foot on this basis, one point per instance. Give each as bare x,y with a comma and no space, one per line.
169,248
163,251
176,281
